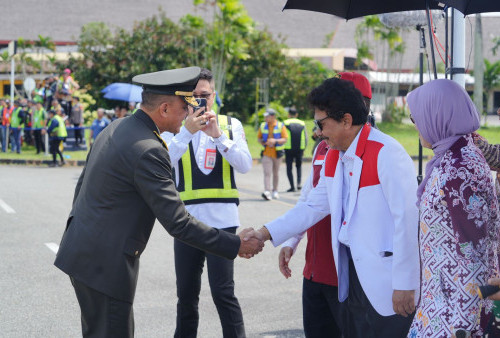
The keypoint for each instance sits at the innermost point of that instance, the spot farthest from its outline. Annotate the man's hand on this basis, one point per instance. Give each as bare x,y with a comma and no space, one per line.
44,131
195,122
403,302
271,142
283,258
212,128
494,281
251,244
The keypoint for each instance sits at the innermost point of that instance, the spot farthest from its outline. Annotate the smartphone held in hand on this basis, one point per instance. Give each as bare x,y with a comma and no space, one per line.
202,103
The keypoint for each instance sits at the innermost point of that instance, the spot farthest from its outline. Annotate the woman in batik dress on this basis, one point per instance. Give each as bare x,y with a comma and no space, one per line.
458,215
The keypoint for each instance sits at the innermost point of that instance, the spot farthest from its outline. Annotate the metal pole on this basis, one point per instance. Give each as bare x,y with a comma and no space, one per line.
458,68
446,45
12,66
421,61
452,62
431,39
46,144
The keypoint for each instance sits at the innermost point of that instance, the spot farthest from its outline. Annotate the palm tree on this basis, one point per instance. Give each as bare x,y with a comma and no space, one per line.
491,81
44,44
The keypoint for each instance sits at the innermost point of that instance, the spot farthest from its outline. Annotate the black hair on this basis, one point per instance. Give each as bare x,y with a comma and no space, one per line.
368,102
292,111
206,74
337,97
151,100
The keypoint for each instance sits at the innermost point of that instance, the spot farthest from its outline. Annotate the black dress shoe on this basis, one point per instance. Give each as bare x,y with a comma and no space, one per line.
299,187
291,190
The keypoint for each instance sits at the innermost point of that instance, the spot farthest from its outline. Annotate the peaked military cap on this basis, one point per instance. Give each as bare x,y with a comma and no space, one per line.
180,82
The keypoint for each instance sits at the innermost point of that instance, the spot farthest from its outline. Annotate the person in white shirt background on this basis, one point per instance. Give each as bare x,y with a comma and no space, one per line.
204,158
368,185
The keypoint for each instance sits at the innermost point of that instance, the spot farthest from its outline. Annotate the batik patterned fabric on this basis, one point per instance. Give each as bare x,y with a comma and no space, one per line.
458,244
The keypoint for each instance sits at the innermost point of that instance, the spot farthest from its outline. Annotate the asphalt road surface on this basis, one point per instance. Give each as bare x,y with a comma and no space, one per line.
37,300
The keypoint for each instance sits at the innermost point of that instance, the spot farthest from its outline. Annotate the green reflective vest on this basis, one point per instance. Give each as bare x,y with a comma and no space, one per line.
60,130
296,134
38,118
218,186
16,120
264,129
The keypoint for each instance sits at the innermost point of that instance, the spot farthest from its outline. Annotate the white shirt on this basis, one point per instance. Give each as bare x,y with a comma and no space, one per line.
347,159
217,215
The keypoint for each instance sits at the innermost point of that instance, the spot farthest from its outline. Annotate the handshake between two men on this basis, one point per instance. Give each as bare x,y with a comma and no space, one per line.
252,241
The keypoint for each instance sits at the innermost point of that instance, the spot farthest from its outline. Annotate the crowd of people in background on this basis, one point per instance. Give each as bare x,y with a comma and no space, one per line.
53,108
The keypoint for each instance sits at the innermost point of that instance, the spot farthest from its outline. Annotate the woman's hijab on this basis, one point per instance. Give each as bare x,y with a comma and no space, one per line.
443,112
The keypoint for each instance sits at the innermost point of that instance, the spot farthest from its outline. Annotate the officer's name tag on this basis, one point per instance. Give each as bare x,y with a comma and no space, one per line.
319,160
210,158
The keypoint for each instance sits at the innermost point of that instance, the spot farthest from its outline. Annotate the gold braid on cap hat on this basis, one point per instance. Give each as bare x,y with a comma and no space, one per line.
191,101
179,93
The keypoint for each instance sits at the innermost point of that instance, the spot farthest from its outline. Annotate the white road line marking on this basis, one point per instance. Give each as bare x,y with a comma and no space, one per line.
53,247
6,207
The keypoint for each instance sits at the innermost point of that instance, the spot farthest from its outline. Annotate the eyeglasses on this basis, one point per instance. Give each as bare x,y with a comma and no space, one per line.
202,96
318,124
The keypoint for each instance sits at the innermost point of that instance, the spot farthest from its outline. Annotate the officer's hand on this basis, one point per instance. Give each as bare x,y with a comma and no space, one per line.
283,258
212,129
195,122
251,243
44,131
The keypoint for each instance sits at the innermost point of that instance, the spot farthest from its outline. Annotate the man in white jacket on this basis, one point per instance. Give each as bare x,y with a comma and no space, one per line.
204,158
368,186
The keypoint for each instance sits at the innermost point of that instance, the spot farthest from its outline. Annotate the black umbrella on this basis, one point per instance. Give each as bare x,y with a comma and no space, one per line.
349,9
474,6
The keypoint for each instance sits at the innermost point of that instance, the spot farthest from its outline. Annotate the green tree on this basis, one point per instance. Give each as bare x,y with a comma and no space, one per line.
42,45
224,40
491,81
231,47
154,44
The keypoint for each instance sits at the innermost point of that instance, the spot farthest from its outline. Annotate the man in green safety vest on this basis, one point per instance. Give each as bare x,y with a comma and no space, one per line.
294,147
57,133
272,135
39,116
16,126
132,108
204,157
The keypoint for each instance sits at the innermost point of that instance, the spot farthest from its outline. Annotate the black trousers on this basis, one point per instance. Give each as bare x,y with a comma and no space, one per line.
78,134
39,144
291,156
189,263
102,315
322,313
363,321
54,143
